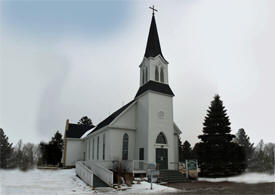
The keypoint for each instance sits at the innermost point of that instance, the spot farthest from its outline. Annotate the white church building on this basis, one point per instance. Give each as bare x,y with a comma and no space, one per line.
143,130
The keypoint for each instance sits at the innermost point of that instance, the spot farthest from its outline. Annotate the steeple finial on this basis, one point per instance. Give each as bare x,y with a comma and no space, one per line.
153,9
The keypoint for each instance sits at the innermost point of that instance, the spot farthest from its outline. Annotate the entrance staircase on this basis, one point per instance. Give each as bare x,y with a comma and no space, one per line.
172,176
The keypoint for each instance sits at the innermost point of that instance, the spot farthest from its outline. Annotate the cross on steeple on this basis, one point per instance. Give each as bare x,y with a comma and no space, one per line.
153,9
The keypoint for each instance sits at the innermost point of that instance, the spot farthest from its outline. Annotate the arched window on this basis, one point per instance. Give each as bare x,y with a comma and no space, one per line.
93,152
161,75
103,151
89,150
157,74
97,148
125,147
161,139
143,77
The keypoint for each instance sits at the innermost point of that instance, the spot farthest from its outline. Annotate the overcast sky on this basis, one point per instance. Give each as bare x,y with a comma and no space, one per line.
64,60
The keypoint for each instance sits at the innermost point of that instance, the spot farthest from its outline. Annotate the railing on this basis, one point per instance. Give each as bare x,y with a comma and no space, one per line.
84,173
133,166
100,169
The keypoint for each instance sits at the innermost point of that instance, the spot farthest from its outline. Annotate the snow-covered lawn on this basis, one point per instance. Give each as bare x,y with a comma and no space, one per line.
60,182
249,178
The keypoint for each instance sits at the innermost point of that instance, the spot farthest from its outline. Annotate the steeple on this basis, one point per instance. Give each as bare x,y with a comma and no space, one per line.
153,66
153,45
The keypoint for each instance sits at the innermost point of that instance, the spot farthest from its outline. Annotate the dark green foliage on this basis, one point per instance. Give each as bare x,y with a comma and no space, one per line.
51,153
243,140
186,150
5,150
85,121
180,150
218,155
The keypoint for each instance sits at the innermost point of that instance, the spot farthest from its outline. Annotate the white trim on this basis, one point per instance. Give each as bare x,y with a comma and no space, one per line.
122,128
152,58
144,93
96,132
73,139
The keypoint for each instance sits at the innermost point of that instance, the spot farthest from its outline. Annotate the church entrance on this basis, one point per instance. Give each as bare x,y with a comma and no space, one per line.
162,158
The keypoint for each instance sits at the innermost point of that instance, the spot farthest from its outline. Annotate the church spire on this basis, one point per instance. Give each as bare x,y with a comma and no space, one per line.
153,45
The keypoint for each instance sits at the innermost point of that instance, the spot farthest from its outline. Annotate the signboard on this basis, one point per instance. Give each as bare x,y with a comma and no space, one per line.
191,168
191,164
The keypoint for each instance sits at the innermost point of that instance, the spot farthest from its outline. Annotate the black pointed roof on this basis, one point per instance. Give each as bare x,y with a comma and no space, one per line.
153,45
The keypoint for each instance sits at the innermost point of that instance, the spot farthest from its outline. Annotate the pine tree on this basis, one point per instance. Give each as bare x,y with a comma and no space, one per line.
85,121
218,155
186,150
5,150
55,148
243,140
51,153
180,150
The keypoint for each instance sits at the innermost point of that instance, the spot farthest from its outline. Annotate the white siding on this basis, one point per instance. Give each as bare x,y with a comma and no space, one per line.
75,151
127,119
116,136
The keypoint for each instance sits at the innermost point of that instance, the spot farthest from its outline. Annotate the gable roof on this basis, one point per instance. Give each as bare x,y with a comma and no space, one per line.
151,85
155,86
153,45
77,130
110,118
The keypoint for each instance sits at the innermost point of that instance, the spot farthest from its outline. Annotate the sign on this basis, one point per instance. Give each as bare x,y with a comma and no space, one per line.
192,164
191,168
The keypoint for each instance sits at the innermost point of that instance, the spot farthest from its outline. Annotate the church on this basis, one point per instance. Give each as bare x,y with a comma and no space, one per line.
143,130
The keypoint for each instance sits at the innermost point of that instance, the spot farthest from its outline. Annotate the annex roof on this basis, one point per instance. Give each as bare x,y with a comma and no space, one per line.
77,130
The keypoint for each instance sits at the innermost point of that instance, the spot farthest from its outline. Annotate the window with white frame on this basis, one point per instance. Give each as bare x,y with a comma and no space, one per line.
125,147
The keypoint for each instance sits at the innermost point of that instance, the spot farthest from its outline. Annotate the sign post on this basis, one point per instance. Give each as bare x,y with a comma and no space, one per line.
153,175
151,181
186,168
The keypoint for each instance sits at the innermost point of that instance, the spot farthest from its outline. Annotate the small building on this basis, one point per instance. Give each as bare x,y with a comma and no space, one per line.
73,143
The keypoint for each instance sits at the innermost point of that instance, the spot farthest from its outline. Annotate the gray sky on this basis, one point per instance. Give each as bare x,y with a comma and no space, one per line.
64,60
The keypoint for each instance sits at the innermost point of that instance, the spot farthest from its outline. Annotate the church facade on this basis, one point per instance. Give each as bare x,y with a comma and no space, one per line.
142,130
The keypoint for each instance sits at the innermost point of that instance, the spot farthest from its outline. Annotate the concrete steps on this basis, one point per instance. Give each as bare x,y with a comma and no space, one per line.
172,176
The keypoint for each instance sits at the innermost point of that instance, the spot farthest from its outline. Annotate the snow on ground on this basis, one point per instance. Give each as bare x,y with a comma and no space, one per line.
41,182
61,182
250,178
145,187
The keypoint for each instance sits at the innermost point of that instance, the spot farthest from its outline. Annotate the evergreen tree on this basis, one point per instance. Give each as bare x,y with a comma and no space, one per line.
85,121
218,155
186,151
51,153
5,150
180,150
44,154
55,148
243,140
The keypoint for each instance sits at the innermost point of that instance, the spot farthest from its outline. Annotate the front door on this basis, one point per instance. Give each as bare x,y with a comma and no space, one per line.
162,158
